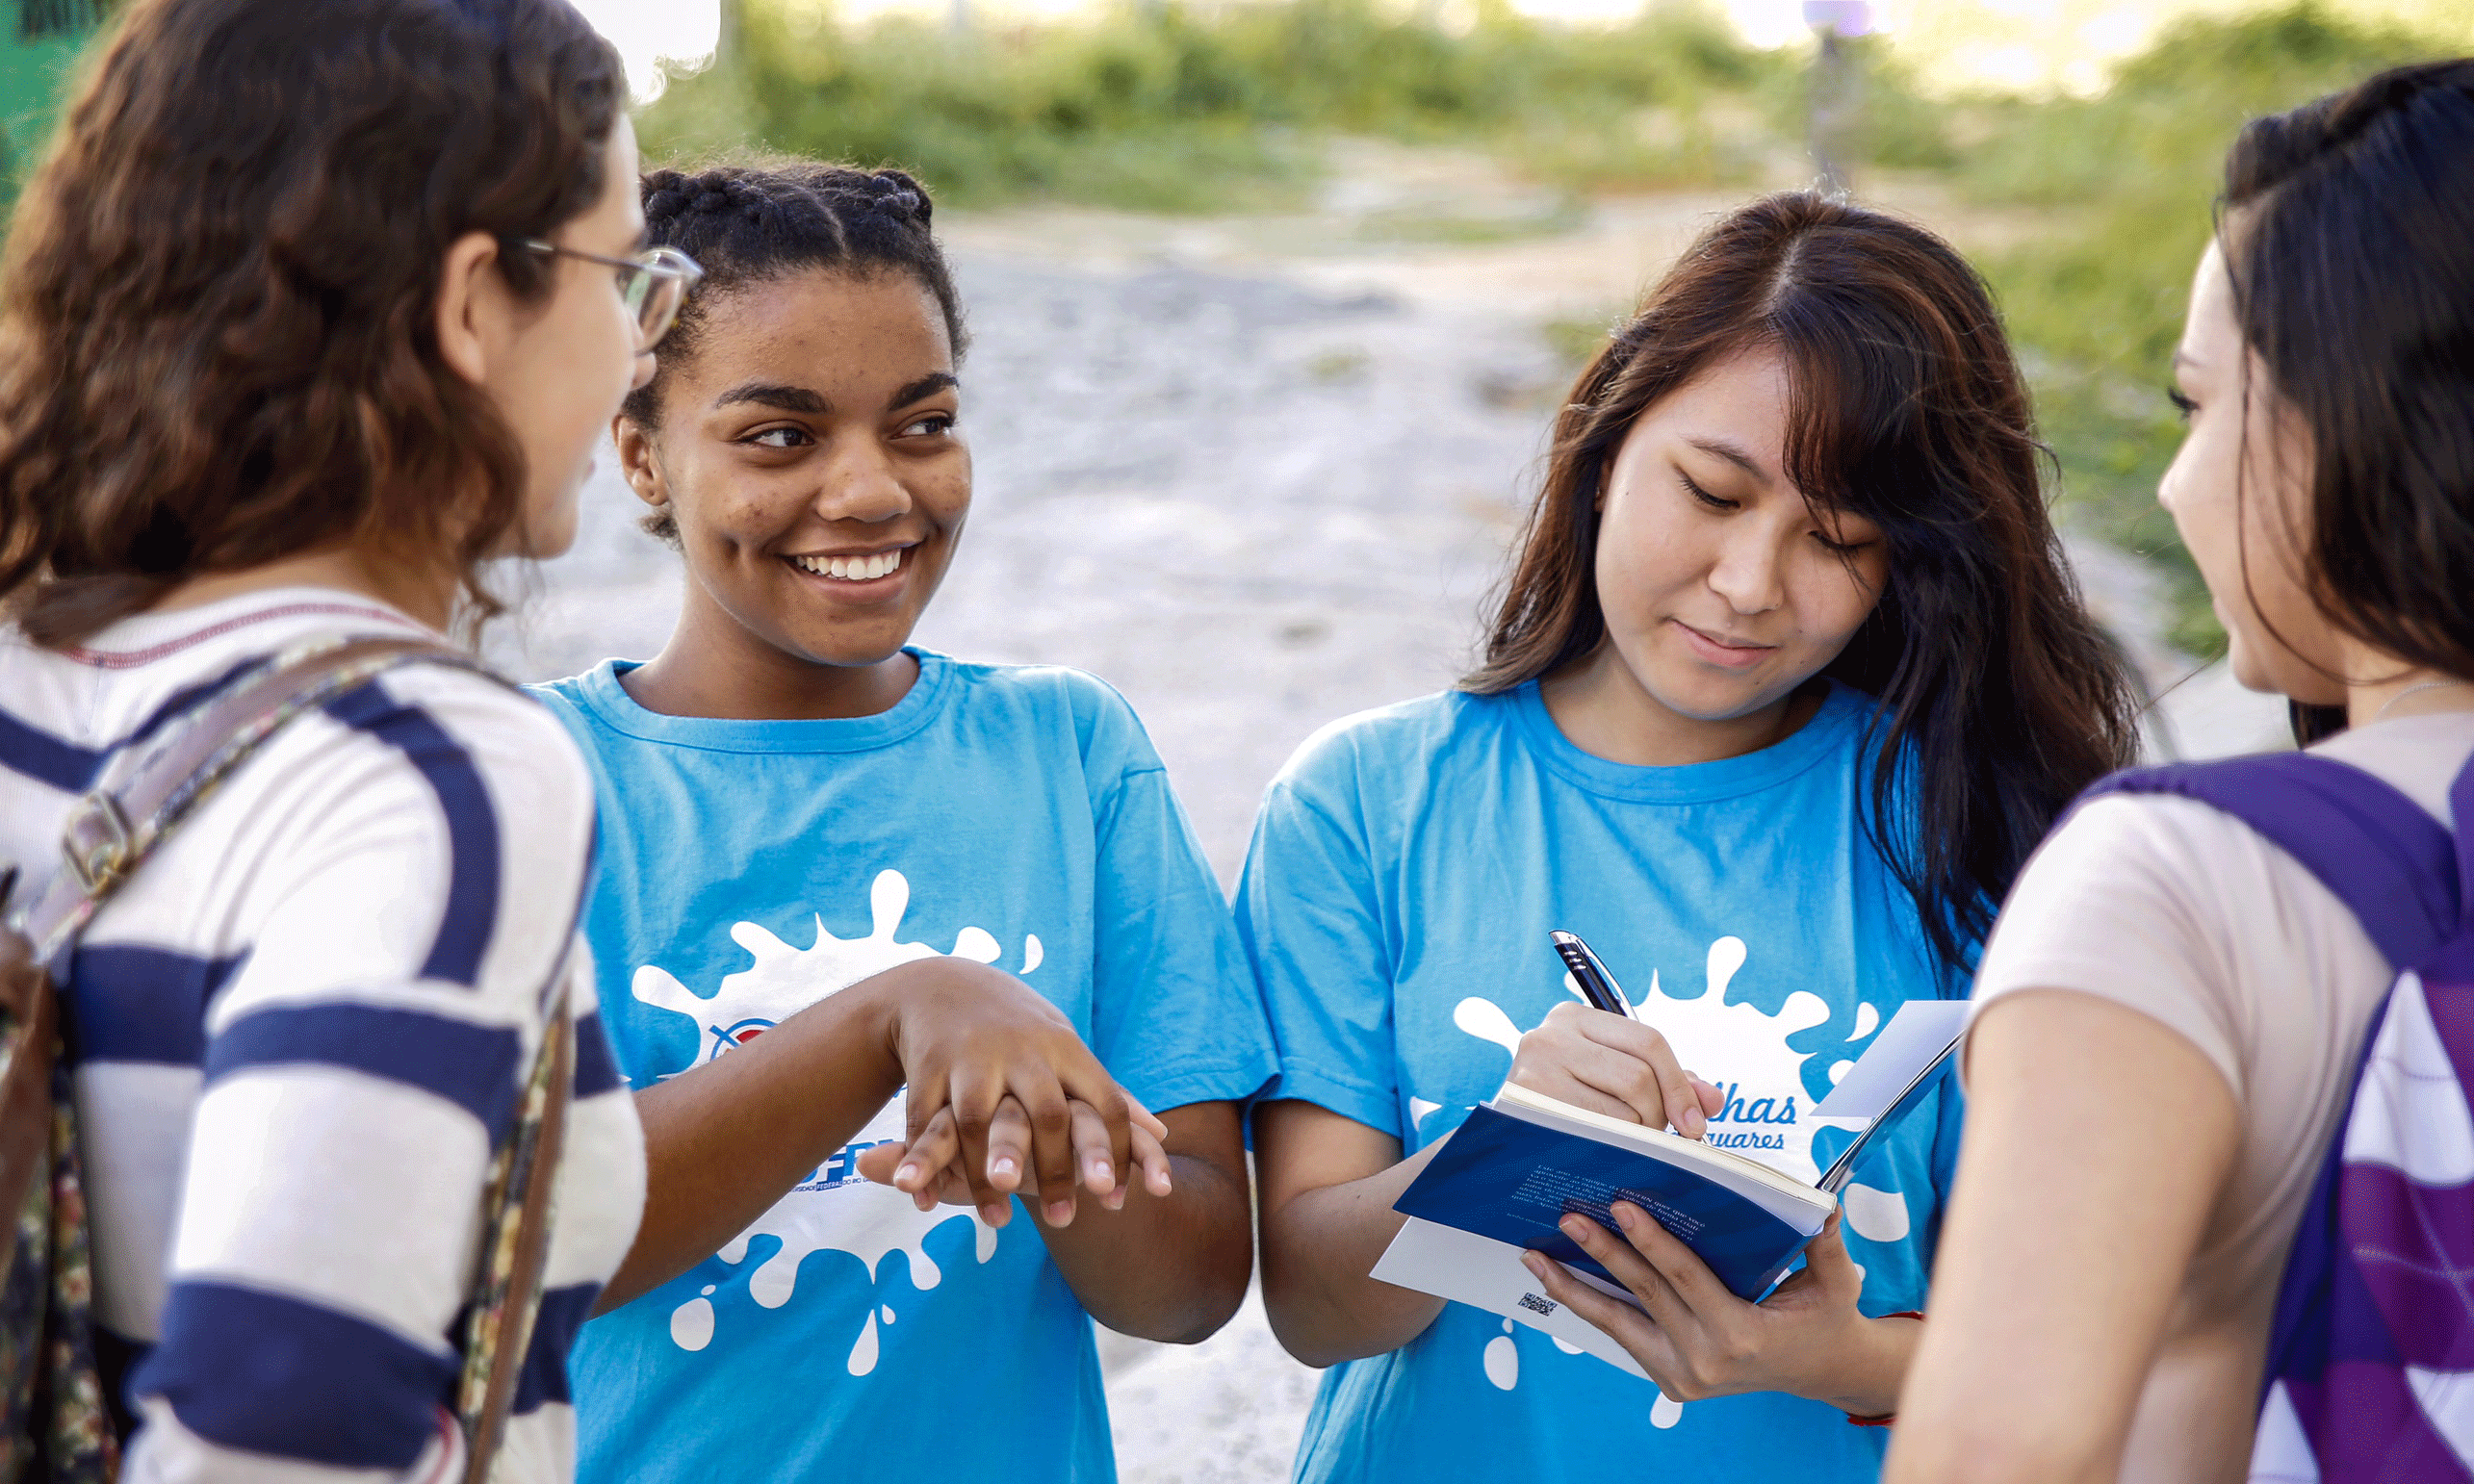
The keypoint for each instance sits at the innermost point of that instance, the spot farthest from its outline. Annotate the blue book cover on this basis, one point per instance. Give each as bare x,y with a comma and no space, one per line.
1512,1179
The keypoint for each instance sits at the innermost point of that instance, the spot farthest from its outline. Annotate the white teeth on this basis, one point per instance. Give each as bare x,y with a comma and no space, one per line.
851,568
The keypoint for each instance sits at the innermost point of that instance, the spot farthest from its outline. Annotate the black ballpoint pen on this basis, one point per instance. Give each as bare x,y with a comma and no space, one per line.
1597,985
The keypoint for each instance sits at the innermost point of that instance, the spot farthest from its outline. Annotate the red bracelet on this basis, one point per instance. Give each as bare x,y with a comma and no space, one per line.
1887,1418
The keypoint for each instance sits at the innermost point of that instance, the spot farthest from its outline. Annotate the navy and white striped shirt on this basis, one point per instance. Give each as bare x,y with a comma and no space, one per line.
299,1031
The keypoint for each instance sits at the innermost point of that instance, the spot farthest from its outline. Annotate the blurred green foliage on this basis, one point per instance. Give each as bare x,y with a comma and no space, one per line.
2129,179
1158,107
1165,108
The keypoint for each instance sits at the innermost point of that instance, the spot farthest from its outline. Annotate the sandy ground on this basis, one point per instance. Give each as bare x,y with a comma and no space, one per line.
1259,474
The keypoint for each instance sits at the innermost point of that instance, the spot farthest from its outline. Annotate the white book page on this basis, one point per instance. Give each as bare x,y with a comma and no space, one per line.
1487,1274
1914,1038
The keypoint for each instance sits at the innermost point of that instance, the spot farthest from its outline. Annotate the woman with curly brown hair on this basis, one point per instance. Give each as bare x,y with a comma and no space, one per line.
313,311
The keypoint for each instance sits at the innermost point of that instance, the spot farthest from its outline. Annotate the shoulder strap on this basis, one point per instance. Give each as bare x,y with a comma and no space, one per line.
112,831
2375,849
113,828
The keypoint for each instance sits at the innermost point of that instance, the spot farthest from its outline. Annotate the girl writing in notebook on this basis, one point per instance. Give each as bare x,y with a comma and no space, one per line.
2173,998
793,798
1788,679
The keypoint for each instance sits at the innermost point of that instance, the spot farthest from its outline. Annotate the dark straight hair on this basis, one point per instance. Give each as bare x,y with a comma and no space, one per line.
1999,697
215,348
2348,233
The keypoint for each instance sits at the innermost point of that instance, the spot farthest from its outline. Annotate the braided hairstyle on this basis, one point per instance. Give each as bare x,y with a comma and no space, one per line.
755,220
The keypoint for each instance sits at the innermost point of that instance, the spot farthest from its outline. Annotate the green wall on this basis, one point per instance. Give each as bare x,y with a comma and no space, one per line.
40,42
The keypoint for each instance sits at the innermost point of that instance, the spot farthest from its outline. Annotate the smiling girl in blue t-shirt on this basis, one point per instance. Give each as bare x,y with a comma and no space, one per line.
1788,679
794,800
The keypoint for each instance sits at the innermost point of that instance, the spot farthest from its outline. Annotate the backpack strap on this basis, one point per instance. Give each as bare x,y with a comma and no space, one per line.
2373,848
112,831
116,826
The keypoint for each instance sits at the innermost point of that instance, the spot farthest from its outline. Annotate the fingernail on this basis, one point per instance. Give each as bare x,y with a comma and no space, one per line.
1694,1123
993,1213
1625,1216
1060,1212
1097,1172
1536,1264
1114,1200
906,1174
1575,1227
1004,1165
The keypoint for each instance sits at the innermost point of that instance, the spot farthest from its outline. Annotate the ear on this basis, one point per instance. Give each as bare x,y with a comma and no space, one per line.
639,462
468,297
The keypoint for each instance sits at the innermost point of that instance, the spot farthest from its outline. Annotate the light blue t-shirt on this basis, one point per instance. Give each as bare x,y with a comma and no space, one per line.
1407,869
1014,815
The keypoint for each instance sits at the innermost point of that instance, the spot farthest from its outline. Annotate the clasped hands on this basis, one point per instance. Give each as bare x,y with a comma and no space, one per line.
1696,1339
1003,1100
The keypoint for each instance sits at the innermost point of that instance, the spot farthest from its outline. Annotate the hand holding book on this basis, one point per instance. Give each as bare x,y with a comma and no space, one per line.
1696,1340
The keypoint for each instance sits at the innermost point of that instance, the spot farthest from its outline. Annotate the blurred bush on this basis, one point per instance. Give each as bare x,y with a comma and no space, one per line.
2129,180
1161,107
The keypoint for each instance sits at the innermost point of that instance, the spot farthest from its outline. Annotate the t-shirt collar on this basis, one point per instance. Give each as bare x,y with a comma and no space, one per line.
611,705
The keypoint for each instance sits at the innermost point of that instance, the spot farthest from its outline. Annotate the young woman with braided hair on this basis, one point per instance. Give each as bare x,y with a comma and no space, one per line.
794,795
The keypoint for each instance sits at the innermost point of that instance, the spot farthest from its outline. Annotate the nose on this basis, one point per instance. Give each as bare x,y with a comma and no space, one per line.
860,484
1748,571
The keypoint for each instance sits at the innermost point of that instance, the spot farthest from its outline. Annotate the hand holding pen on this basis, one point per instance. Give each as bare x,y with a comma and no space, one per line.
1601,1057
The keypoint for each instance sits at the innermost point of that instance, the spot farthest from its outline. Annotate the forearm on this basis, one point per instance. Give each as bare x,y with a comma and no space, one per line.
1864,1377
1172,1269
726,1141
1318,1249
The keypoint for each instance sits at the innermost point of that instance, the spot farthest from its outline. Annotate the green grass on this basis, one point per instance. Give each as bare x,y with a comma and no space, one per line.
2130,179
1159,108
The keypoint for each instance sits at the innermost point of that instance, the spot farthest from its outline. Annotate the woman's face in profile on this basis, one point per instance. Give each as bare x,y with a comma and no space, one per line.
564,370
2239,491
1722,589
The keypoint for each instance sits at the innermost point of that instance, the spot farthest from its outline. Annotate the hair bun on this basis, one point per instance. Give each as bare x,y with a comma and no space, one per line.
897,195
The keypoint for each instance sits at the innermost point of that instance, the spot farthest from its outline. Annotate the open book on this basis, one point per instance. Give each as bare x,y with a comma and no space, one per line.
1522,1160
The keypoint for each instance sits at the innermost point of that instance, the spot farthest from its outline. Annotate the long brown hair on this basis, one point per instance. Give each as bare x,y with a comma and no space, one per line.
1999,697
215,348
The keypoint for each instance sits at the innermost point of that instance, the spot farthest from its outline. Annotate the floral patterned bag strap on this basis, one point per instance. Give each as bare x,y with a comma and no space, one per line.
519,1206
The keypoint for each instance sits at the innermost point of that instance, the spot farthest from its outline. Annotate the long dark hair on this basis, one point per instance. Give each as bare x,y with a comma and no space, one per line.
215,348
1998,697
2348,233
749,220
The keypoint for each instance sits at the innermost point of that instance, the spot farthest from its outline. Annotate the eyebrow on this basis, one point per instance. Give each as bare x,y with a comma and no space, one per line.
767,393
1722,449
926,386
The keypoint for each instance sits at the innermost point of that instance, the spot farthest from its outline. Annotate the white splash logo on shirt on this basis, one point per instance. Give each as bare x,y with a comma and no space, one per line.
835,1209
1740,1048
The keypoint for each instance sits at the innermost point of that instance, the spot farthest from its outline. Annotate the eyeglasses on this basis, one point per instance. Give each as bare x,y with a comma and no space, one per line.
653,283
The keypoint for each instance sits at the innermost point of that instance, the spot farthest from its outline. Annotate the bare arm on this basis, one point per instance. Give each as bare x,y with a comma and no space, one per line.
726,1141
2069,1232
1328,1184
1169,1267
